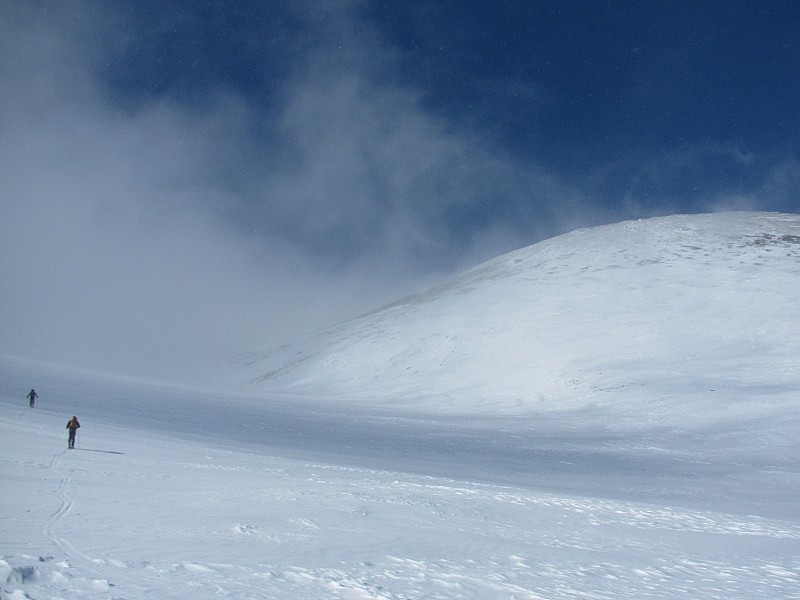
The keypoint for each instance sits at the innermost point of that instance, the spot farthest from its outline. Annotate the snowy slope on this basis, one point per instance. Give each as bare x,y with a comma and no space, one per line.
611,414
660,309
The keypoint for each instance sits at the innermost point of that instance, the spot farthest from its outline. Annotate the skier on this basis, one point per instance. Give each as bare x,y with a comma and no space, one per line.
33,396
73,427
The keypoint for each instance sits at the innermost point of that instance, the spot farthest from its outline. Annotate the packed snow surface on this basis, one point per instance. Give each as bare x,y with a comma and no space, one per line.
610,414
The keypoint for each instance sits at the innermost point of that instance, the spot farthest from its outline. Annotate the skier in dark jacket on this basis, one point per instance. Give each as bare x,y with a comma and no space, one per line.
32,395
73,427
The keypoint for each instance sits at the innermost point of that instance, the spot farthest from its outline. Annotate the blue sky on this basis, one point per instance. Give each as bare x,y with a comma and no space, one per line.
188,179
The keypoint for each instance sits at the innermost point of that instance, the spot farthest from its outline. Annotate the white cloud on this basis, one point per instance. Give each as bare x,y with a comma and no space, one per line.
152,241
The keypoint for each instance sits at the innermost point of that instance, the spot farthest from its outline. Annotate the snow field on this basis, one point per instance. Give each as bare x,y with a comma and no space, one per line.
131,515
611,414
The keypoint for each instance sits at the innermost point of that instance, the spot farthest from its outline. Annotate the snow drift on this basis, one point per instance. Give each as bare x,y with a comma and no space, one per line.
699,304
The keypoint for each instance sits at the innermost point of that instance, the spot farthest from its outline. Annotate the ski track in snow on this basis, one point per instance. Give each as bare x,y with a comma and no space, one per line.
63,509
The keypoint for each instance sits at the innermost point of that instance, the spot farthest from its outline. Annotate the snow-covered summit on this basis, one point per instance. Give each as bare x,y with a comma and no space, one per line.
670,308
